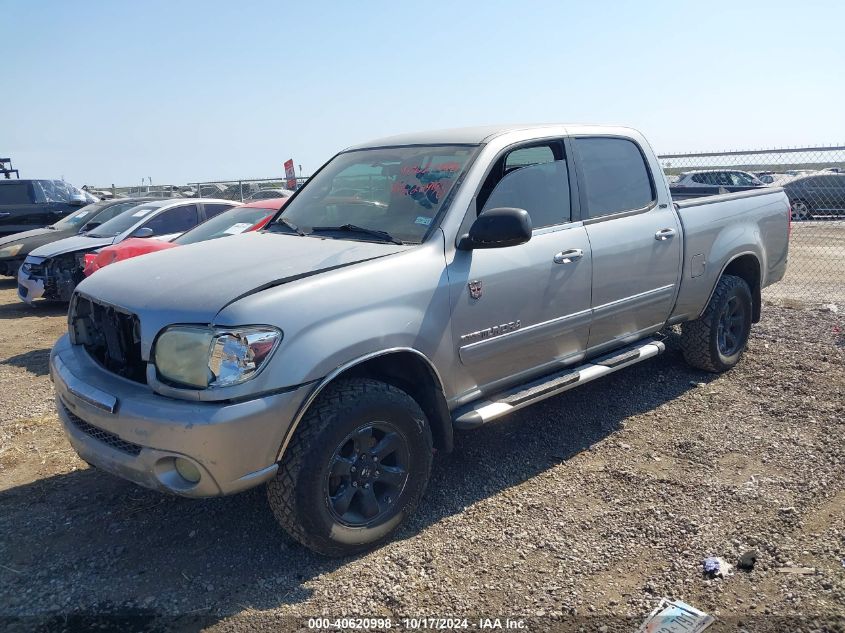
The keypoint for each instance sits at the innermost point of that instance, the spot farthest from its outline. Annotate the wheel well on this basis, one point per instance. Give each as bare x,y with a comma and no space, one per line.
748,268
411,373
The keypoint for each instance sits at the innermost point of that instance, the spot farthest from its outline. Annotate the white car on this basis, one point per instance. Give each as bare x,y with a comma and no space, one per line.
52,271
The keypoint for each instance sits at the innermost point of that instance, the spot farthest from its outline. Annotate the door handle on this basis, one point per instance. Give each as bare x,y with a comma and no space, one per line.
664,234
567,257
5,214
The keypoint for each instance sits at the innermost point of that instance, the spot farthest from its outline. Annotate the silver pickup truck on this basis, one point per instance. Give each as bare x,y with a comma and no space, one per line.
413,286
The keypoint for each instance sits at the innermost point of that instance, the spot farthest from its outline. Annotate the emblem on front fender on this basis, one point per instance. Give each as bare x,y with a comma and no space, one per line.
475,289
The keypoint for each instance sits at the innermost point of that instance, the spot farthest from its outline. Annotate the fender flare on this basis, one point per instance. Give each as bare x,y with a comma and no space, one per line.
331,376
722,272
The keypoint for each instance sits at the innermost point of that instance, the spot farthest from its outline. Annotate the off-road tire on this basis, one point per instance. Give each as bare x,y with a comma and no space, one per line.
297,494
699,338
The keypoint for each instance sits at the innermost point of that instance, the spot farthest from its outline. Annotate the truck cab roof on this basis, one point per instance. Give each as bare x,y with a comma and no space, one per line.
482,134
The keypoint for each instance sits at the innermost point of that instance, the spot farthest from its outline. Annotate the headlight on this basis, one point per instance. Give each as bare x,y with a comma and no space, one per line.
202,357
10,251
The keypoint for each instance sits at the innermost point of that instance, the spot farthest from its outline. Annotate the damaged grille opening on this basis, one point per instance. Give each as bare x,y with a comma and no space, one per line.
60,274
106,437
111,336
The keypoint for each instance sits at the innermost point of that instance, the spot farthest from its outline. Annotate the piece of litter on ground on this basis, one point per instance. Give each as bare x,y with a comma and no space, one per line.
747,560
830,307
715,566
804,571
675,616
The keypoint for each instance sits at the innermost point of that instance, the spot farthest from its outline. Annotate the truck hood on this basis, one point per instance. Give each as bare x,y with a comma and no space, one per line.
192,283
71,244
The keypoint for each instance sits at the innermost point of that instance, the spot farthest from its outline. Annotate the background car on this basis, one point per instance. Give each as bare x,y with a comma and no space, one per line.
52,271
267,194
240,219
818,194
692,184
29,204
14,248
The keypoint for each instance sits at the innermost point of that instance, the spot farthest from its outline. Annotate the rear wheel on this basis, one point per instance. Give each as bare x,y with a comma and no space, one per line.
355,469
715,341
801,211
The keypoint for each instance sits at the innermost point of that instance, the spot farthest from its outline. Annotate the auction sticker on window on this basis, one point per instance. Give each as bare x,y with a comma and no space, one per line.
240,227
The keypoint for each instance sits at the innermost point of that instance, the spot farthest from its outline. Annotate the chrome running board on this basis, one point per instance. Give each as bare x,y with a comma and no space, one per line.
487,410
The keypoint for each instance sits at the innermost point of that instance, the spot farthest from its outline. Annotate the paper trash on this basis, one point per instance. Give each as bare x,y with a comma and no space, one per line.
675,616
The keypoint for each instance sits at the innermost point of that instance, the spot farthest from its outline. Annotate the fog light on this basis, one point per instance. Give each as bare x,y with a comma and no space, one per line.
187,469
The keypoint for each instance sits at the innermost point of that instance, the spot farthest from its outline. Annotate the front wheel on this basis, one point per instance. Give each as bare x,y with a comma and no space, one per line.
716,340
355,469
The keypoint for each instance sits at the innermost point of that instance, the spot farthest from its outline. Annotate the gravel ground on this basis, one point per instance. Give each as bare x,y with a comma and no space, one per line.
579,511
816,254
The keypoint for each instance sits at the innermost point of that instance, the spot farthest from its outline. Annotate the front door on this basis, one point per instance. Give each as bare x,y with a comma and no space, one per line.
522,309
635,239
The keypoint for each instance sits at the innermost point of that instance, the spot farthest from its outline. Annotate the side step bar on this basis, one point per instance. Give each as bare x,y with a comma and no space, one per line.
544,387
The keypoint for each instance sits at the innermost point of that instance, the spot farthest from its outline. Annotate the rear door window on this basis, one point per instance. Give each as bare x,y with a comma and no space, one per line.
616,178
212,209
176,220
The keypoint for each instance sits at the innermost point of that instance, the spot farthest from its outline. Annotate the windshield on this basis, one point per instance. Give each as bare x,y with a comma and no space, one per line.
398,190
78,218
58,191
125,221
231,222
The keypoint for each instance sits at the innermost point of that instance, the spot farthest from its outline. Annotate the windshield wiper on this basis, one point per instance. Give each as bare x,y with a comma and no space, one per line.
285,222
354,228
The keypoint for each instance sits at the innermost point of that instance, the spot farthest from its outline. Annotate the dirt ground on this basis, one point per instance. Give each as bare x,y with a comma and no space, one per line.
580,511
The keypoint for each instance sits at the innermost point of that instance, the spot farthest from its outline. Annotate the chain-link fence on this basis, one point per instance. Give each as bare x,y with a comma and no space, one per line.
240,190
813,179
246,190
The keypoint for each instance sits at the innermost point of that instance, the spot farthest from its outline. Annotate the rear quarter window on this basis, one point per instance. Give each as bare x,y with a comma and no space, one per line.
615,176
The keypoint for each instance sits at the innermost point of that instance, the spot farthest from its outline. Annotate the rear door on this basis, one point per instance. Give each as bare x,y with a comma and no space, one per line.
17,203
526,308
635,240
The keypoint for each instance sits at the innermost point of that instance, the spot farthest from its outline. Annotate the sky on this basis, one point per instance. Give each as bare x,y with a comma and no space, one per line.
185,91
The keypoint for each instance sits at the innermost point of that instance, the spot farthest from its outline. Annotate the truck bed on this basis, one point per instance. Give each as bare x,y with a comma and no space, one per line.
718,229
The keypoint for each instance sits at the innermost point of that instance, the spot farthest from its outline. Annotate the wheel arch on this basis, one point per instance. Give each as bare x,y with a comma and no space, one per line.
748,267
403,367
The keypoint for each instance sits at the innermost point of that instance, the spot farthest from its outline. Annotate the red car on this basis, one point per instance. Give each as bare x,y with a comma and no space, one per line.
247,217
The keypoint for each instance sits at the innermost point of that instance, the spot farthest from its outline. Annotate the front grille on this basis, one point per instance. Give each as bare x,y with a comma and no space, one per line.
111,336
101,435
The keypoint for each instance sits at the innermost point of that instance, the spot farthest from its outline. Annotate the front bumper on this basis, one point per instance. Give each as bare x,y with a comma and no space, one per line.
126,429
29,288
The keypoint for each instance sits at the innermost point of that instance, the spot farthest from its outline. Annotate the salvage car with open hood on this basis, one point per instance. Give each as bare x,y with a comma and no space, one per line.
413,286
52,271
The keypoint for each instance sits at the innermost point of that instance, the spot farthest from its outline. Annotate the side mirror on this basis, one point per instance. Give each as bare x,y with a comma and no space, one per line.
144,231
77,201
497,228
